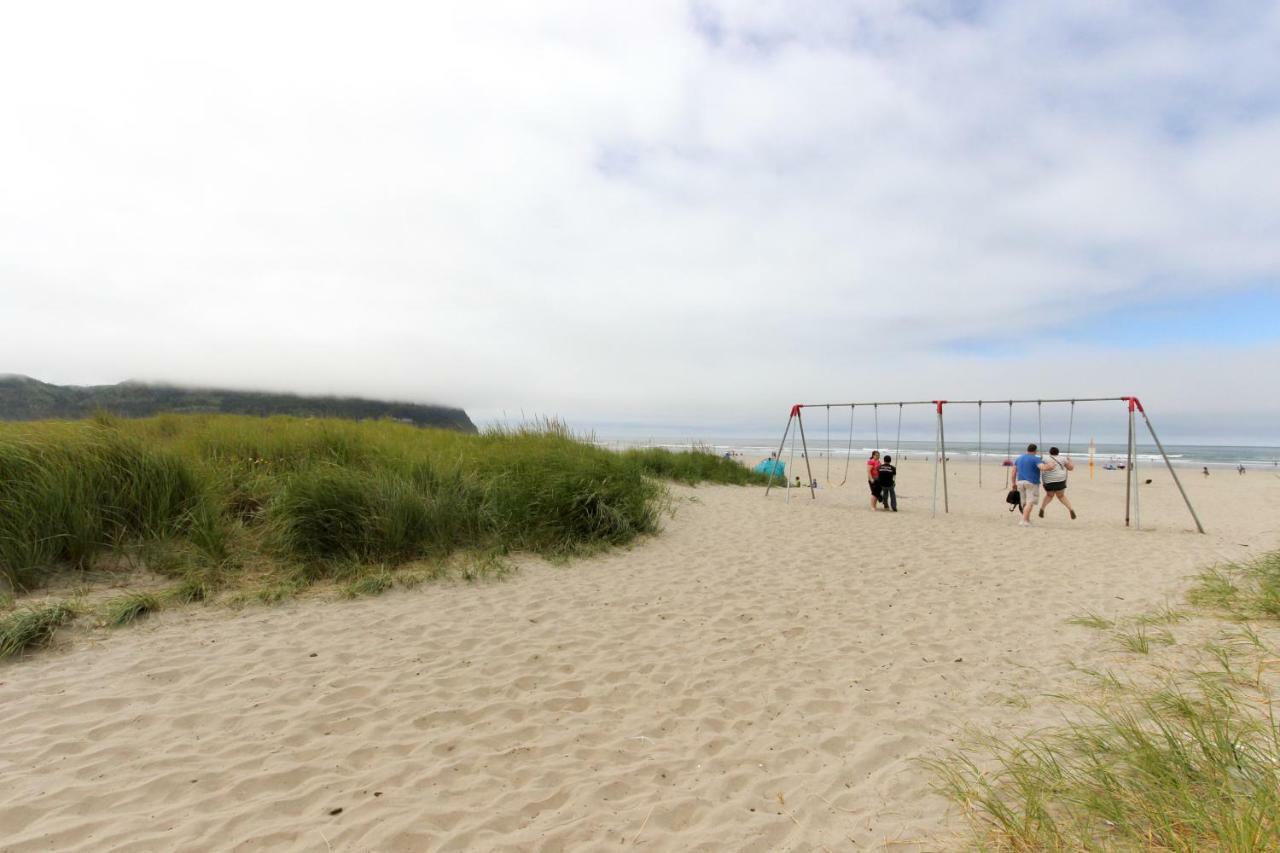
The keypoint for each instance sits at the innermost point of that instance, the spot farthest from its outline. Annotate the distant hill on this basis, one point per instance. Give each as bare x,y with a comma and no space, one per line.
26,399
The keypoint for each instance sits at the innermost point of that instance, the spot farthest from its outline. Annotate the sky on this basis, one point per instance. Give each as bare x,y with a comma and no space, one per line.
651,217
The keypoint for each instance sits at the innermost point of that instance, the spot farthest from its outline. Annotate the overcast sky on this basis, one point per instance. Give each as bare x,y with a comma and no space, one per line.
647,214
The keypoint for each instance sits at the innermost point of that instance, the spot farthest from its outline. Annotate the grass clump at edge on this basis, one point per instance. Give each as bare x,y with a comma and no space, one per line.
1092,620
1242,590
126,609
374,583
694,466
31,627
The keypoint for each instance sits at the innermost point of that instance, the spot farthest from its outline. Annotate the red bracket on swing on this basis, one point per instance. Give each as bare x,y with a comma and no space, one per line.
1134,404
940,404
795,410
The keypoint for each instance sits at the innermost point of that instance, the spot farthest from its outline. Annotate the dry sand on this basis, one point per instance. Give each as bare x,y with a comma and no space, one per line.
763,676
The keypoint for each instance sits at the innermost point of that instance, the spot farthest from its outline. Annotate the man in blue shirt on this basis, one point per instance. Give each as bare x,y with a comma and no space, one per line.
1026,473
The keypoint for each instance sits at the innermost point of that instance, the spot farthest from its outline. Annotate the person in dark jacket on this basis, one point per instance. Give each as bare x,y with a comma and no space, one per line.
887,480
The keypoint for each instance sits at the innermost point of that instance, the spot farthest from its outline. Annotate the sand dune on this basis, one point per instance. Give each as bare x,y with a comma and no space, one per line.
762,676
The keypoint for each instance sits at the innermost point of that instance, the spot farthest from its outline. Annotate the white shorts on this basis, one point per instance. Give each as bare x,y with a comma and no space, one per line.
1030,492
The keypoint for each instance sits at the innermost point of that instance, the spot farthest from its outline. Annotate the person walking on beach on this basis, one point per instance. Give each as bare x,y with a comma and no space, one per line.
888,487
873,477
1026,476
1053,473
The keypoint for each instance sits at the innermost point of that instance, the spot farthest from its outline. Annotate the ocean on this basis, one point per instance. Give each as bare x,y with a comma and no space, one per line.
1182,455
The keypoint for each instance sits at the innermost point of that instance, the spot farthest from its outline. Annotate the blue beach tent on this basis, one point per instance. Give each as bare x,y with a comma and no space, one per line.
776,467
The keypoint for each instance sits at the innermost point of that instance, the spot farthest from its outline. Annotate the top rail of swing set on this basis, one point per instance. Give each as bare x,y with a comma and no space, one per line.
964,402
1134,403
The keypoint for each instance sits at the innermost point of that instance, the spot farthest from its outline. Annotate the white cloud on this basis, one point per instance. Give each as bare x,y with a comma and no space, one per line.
655,211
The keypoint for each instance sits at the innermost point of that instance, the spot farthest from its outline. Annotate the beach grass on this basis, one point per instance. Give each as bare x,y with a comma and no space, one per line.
700,465
31,627
258,509
1163,616
129,608
1242,590
1092,620
374,583
1190,763
1185,759
1139,639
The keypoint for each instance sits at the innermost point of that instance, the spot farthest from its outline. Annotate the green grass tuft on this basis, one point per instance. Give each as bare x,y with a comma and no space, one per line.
375,583
126,609
1163,616
31,627
1243,590
1139,640
694,466
198,584
1092,620
1136,641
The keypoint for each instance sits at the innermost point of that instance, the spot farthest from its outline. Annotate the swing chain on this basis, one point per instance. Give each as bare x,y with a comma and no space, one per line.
1071,425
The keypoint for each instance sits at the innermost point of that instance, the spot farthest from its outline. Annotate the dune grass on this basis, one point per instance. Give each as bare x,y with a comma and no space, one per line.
698,466
71,492
1187,759
1140,638
1092,620
129,608
31,627
370,584
1190,764
258,509
309,491
1242,590
1163,616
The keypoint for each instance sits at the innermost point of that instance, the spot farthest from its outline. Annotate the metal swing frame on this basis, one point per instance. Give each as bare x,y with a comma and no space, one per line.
1132,515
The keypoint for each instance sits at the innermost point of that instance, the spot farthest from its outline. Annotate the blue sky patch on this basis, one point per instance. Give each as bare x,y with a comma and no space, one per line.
1231,319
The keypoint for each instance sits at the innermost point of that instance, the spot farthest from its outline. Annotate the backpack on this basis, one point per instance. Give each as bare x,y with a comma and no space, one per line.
1014,499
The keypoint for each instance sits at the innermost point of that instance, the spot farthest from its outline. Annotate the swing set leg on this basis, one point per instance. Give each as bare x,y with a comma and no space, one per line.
803,444
778,457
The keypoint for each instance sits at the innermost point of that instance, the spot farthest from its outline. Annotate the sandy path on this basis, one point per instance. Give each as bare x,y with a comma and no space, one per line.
760,677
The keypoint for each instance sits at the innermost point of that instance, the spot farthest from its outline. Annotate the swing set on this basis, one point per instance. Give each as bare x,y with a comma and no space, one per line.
1131,507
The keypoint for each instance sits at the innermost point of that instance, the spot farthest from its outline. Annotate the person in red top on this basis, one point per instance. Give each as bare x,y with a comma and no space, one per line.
873,477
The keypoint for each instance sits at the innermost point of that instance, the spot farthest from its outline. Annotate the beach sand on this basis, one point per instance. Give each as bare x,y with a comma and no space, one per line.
762,676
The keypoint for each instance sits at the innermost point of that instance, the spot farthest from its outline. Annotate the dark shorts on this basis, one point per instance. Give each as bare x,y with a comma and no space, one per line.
875,488
1056,487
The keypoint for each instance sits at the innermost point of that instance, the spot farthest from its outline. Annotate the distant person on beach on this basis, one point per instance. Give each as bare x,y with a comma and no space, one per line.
873,477
1241,469
1026,479
1206,470
1053,473
798,486
888,486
